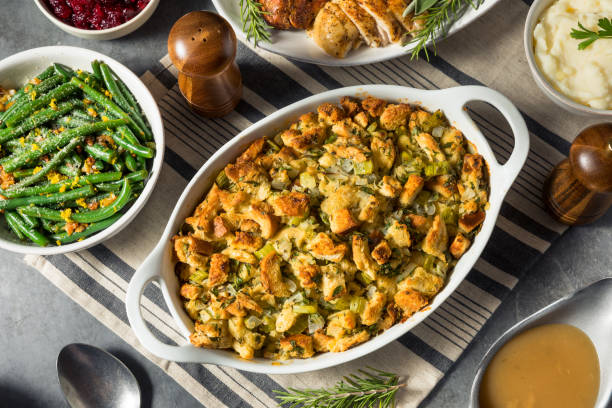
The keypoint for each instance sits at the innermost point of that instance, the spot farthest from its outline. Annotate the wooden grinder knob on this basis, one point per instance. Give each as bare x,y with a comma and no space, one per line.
202,46
579,189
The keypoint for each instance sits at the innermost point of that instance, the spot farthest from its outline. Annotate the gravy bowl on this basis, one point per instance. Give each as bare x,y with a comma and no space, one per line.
159,265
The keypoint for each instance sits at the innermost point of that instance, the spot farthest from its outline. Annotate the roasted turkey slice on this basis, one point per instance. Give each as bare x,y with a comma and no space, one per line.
288,14
388,26
363,21
334,32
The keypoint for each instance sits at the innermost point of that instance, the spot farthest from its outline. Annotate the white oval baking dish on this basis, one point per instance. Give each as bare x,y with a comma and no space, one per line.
159,265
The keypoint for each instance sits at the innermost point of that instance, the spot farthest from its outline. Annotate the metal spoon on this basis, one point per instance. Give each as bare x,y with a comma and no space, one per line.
93,378
589,309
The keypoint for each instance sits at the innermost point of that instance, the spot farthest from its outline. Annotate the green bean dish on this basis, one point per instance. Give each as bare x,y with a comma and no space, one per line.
75,148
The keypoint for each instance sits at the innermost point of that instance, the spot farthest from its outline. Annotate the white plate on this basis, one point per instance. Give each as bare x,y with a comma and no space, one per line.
159,265
295,44
16,70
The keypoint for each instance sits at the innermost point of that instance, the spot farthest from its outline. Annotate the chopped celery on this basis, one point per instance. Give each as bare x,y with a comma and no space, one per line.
372,127
198,276
268,324
300,324
449,215
434,120
305,308
363,278
366,167
428,262
357,304
272,145
222,181
437,169
296,220
265,250
331,138
341,303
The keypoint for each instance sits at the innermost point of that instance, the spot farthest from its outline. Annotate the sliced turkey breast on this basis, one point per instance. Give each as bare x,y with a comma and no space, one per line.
363,21
387,24
334,32
397,8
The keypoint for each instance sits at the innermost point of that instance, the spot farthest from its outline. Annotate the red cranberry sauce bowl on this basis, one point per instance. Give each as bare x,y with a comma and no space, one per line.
95,14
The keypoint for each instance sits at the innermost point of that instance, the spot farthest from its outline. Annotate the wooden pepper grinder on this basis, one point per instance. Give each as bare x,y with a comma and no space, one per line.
202,46
579,189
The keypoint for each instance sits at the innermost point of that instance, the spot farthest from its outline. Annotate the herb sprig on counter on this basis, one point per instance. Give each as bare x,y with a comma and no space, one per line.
589,36
374,388
436,16
253,23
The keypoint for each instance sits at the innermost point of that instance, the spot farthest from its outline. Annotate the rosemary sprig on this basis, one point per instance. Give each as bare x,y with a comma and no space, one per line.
589,36
375,388
438,17
253,23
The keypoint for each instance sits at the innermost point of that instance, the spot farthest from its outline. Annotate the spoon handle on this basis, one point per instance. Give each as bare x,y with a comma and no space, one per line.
149,271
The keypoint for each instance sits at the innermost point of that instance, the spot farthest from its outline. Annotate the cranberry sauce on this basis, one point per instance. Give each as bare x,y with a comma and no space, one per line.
96,14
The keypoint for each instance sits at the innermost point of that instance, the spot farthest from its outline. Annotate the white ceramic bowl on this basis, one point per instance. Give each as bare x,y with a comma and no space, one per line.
159,265
19,68
535,11
295,44
107,34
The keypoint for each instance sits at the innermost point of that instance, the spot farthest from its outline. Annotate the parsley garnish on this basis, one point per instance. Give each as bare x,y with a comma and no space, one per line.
589,36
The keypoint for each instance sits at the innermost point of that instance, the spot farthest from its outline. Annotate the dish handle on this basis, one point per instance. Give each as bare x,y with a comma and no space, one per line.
148,272
509,170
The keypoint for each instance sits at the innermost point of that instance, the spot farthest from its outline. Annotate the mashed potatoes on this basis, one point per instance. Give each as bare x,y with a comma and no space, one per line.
583,75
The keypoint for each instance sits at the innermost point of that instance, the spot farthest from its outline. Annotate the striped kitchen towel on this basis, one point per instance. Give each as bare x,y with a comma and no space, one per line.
489,52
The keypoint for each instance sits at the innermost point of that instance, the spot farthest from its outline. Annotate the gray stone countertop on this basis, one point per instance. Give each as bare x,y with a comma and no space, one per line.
37,320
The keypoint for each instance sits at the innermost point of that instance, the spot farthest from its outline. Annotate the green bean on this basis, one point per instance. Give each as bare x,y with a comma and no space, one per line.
95,67
51,144
69,171
12,203
36,120
64,238
108,104
72,122
32,222
50,165
119,165
13,225
59,93
105,212
81,114
49,188
50,226
125,91
41,212
26,92
16,144
130,162
98,165
120,138
136,190
32,234
19,174
100,152
47,73
111,85
116,185
63,70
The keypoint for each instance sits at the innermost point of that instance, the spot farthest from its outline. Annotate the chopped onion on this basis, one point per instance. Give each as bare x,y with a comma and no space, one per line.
297,298
252,322
437,132
371,291
315,322
291,285
430,209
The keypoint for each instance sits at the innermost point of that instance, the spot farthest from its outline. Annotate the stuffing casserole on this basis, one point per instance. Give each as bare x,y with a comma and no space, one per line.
331,231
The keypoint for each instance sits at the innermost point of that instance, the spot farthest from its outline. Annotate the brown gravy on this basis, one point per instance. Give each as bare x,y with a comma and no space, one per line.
553,365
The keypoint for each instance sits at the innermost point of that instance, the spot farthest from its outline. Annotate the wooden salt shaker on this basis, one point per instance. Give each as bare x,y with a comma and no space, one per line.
579,189
202,46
